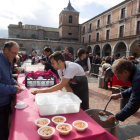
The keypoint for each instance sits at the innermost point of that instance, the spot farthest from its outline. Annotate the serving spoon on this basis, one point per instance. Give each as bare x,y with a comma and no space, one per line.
103,111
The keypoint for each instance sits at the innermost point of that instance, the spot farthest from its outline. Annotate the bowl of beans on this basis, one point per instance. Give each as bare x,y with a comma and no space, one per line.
58,119
64,128
80,125
42,122
46,132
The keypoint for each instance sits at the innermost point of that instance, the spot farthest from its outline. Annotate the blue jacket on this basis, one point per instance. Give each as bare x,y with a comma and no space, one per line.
6,81
133,94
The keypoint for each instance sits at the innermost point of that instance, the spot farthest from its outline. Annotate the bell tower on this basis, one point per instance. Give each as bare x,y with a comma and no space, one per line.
69,24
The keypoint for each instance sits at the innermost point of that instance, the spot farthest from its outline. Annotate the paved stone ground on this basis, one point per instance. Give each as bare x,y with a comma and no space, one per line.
98,98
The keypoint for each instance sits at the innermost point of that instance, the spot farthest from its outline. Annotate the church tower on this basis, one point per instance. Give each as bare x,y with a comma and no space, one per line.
69,24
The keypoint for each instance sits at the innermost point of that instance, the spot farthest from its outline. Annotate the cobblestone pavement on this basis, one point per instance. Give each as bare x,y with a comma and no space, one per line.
136,138
98,98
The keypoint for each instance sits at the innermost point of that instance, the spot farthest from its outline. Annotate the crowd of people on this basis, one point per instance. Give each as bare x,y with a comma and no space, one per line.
73,76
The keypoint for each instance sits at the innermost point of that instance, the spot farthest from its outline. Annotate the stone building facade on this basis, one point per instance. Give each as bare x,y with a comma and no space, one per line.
32,32
115,31
33,37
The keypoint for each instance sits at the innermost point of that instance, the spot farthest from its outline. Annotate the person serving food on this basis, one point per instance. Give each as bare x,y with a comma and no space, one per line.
72,76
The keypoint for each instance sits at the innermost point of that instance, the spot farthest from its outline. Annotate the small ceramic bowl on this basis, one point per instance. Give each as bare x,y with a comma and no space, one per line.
80,125
42,122
58,119
64,128
20,105
46,132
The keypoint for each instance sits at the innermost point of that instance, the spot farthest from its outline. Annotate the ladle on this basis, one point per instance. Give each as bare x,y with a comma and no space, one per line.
103,111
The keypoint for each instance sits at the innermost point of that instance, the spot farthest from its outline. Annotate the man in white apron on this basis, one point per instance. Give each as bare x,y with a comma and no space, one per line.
72,76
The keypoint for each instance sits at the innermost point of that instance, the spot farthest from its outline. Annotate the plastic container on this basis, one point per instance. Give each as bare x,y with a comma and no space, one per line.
101,82
57,103
34,68
35,81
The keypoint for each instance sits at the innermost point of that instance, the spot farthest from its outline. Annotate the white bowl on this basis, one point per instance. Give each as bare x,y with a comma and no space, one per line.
41,119
103,118
14,75
46,136
56,122
80,128
20,68
20,105
64,132
40,78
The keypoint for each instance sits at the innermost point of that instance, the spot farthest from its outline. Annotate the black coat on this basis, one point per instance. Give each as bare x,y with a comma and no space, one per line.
133,94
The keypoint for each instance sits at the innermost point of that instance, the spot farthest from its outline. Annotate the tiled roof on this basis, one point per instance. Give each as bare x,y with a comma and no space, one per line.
69,8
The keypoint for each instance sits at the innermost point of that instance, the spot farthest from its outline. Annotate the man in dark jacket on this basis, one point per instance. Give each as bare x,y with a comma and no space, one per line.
126,71
47,62
83,60
67,55
8,85
97,60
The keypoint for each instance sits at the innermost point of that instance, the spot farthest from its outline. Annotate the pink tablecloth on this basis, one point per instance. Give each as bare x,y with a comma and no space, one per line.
24,128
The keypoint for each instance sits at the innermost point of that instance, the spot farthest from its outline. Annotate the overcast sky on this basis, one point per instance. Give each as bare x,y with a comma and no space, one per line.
46,12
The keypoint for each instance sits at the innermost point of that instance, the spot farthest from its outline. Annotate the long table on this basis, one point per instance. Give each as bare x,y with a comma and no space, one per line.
24,128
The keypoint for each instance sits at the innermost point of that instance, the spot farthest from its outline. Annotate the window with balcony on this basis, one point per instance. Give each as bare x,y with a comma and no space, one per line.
121,31
70,19
98,23
90,27
123,13
107,34
138,27
89,39
84,30
83,39
97,37
108,19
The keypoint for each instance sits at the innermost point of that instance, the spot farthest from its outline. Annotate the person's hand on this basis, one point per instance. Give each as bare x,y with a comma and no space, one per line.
115,96
36,61
87,73
43,62
34,92
19,90
17,70
111,118
17,84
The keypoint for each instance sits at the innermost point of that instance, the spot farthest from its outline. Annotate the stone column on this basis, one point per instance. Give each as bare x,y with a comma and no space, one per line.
112,53
100,52
127,53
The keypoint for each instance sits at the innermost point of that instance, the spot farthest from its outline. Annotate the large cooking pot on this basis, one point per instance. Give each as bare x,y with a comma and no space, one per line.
123,102
110,127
